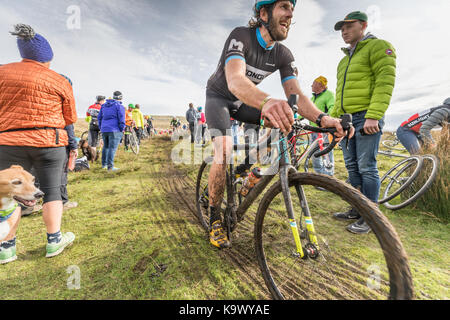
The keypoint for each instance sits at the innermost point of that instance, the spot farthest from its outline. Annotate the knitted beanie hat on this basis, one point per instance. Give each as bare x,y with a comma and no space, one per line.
32,45
322,80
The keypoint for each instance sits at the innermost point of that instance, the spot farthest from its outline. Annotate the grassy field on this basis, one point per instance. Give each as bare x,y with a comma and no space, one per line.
138,238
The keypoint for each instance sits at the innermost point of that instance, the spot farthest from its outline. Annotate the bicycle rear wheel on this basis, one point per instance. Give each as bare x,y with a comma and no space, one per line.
374,267
418,186
202,193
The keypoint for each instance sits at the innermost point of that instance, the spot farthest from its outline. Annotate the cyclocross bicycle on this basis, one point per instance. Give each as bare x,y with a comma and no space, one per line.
302,258
393,143
132,139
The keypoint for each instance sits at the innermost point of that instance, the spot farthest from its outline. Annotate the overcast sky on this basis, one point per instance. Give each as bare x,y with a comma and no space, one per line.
161,53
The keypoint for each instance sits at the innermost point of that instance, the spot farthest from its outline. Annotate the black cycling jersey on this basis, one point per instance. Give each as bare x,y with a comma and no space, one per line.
248,45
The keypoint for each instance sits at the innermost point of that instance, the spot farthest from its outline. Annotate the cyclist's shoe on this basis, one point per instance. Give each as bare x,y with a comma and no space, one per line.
7,255
105,168
359,227
242,170
217,236
351,214
113,169
53,249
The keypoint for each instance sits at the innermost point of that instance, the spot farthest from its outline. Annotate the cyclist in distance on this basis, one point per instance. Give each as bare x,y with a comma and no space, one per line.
249,56
415,131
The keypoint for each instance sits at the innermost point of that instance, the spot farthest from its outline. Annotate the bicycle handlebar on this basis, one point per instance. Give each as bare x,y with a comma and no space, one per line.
346,125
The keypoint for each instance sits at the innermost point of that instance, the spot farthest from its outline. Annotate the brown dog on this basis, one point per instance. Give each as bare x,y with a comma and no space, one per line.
89,152
16,186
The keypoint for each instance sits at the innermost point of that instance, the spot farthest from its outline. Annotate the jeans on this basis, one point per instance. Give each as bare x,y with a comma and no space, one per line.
111,141
319,163
192,130
409,139
361,158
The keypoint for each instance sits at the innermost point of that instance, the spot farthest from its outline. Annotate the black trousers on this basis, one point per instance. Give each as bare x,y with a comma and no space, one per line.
48,164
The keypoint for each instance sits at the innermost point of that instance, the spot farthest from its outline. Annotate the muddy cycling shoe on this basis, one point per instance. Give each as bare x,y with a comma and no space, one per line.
241,170
217,236
351,214
359,227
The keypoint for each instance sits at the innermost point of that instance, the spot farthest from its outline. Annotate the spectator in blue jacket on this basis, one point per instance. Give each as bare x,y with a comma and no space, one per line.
111,121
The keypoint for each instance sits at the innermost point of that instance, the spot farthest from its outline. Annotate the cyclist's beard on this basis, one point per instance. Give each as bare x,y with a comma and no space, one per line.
274,26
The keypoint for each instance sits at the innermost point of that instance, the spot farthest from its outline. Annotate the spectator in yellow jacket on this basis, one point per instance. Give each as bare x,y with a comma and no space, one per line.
138,119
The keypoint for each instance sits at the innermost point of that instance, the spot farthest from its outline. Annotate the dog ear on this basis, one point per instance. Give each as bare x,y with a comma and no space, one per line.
16,167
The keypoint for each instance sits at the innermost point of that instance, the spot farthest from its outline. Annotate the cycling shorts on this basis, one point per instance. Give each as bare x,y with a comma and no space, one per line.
219,110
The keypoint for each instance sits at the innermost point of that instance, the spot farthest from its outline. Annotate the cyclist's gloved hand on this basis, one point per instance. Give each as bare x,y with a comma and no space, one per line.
279,115
329,122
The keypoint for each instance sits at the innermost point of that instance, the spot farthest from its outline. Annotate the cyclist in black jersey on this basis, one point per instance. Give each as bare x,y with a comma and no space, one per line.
249,56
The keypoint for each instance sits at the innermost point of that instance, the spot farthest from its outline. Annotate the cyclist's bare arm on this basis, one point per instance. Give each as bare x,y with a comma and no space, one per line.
277,111
307,109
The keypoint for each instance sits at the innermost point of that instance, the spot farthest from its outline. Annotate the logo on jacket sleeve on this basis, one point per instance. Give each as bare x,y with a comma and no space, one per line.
236,45
389,52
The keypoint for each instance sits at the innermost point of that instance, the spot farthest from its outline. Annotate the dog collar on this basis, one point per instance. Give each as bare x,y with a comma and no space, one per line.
5,214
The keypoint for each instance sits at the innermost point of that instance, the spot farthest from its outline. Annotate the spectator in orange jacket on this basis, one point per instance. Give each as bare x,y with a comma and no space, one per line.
36,104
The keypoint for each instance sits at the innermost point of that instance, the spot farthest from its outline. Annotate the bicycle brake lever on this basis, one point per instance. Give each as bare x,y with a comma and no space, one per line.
347,125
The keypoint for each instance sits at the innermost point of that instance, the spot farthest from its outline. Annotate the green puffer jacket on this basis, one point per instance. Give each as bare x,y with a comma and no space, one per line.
324,102
366,79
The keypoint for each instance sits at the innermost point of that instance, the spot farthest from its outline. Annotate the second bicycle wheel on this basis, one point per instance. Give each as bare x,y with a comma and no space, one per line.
399,177
346,266
325,160
418,186
134,145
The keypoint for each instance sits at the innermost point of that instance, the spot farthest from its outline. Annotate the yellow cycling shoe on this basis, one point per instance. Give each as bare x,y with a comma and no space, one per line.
217,236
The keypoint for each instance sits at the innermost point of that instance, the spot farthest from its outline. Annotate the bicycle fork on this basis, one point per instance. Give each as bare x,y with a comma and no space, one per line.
312,247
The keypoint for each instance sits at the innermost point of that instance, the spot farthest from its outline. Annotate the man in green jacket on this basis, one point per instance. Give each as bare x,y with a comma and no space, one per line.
366,79
324,101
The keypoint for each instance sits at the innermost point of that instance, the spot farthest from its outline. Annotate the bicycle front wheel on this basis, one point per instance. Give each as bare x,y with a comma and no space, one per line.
373,267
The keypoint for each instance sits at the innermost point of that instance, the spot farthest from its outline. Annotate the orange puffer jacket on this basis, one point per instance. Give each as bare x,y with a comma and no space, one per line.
33,96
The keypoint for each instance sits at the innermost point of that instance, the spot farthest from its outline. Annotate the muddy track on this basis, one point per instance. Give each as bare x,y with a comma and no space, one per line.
180,191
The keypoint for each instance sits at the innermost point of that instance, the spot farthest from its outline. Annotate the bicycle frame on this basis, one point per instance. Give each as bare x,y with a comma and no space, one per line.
282,167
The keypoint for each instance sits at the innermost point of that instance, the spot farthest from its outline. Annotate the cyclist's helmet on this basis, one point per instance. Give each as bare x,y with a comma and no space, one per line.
117,95
447,101
100,98
260,3
199,109
131,106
